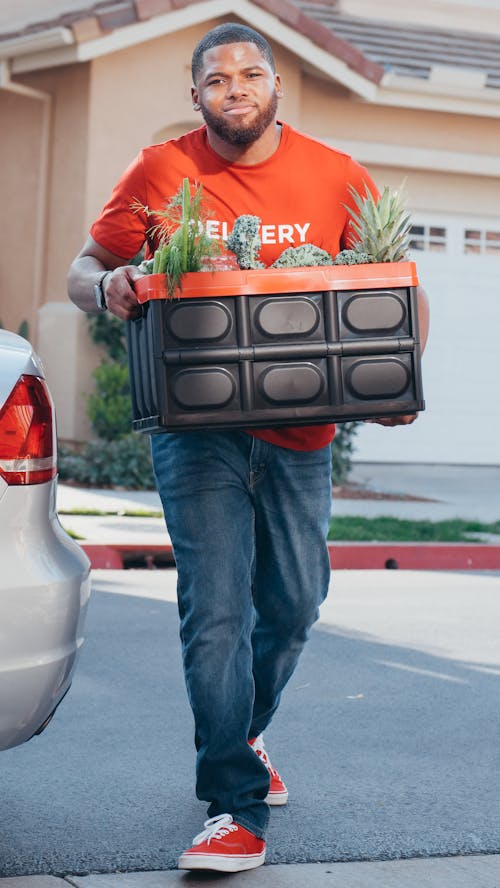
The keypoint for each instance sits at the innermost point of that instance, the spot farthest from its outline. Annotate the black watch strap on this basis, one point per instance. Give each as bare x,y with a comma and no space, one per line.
99,292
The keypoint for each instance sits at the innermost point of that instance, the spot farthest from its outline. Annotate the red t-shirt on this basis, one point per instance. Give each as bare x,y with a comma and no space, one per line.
299,193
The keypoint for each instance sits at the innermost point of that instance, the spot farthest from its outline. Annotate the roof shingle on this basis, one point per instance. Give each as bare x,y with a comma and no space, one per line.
411,50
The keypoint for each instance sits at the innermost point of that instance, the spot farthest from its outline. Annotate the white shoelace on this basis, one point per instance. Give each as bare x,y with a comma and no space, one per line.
259,748
215,828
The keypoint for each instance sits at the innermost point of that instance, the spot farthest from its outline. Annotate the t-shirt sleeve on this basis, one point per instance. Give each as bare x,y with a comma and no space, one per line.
360,179
123,223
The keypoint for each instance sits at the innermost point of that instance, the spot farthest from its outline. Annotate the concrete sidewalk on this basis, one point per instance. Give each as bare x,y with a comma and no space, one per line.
470,492
439,872
419,492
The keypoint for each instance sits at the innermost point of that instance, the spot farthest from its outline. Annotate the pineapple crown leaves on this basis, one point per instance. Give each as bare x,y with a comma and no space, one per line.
381,226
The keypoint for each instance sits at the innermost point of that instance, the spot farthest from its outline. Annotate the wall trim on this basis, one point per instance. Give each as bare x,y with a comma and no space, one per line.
408,157
438,95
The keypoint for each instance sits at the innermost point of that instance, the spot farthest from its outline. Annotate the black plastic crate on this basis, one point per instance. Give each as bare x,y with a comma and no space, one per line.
276,347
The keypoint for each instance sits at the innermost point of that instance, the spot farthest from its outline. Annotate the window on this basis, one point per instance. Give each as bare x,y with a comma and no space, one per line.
428,237
482,241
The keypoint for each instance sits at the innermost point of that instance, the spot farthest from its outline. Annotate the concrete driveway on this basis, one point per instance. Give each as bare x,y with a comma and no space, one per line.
387,735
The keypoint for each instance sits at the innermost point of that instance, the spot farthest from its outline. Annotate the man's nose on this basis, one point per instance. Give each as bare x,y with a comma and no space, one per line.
237,87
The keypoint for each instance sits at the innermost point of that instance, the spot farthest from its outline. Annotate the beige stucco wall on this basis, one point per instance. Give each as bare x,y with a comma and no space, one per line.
42,182
326,112
332,114
69,357
21,122
443,192
69,176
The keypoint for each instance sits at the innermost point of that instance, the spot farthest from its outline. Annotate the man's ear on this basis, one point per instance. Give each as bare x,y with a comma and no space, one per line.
194,98
278,86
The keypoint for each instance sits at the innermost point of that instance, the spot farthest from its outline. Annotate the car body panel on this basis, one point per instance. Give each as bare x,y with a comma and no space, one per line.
16,357
44,587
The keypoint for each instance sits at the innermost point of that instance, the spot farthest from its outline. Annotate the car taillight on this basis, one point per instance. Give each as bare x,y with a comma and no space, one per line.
27,434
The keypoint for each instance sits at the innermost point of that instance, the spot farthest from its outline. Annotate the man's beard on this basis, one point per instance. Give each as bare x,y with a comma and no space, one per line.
240,133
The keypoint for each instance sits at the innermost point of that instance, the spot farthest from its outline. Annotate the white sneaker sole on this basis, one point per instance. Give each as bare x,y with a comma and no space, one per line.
229,864
277,798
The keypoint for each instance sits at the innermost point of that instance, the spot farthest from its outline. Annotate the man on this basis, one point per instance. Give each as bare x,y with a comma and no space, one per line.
247,513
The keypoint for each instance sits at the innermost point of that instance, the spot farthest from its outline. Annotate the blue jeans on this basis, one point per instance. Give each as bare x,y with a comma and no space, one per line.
248,522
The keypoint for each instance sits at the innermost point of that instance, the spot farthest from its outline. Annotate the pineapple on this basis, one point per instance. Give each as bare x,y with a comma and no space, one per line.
382,226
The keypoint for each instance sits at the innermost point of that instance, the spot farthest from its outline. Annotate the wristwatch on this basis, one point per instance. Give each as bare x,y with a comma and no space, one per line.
100,298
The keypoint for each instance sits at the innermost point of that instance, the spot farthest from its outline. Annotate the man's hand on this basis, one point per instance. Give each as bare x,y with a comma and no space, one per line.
423,316
118,285
404,419
120,294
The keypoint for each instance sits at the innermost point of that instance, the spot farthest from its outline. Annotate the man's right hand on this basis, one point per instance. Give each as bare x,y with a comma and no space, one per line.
118,286
119,292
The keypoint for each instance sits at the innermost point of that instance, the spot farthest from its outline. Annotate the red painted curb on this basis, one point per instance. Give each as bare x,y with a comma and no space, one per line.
343,556
111,556
414,556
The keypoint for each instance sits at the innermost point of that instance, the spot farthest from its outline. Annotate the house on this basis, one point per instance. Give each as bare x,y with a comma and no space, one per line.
410,90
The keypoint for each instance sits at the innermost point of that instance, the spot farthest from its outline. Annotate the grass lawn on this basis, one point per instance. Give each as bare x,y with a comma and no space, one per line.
358,529
352,528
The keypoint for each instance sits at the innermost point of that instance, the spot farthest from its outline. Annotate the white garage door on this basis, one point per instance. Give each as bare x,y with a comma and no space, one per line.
458,262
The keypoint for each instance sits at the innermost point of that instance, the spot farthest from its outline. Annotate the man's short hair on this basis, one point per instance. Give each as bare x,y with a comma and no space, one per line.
229,33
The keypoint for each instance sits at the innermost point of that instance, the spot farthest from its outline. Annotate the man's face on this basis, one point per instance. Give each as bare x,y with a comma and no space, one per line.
237,92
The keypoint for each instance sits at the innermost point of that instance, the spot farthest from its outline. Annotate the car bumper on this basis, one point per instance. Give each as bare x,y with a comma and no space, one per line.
44,593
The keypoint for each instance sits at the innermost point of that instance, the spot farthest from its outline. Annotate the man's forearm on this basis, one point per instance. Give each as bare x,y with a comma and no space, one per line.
84,272
117,287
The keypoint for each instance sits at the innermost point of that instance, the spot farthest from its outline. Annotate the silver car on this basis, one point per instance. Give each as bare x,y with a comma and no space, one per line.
44,575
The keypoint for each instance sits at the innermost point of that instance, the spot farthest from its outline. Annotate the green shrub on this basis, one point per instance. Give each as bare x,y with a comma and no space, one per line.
125,462
23,330
342,450
119,457
109,408
109,331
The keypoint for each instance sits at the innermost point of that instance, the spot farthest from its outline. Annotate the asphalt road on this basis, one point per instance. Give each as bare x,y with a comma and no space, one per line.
387,735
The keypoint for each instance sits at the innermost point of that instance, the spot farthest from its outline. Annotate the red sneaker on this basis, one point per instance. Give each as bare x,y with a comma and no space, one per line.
224,846
278,793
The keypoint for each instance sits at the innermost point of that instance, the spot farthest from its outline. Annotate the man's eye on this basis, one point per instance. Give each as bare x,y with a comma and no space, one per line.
215,81
254,74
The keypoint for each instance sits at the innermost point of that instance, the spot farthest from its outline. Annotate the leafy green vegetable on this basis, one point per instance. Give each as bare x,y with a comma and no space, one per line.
304,255
244,241
183,242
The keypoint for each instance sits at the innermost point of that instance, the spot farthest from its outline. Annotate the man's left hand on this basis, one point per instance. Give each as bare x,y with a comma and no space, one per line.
404,419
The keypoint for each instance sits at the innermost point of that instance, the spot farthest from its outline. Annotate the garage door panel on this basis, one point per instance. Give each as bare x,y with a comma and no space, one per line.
461,365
